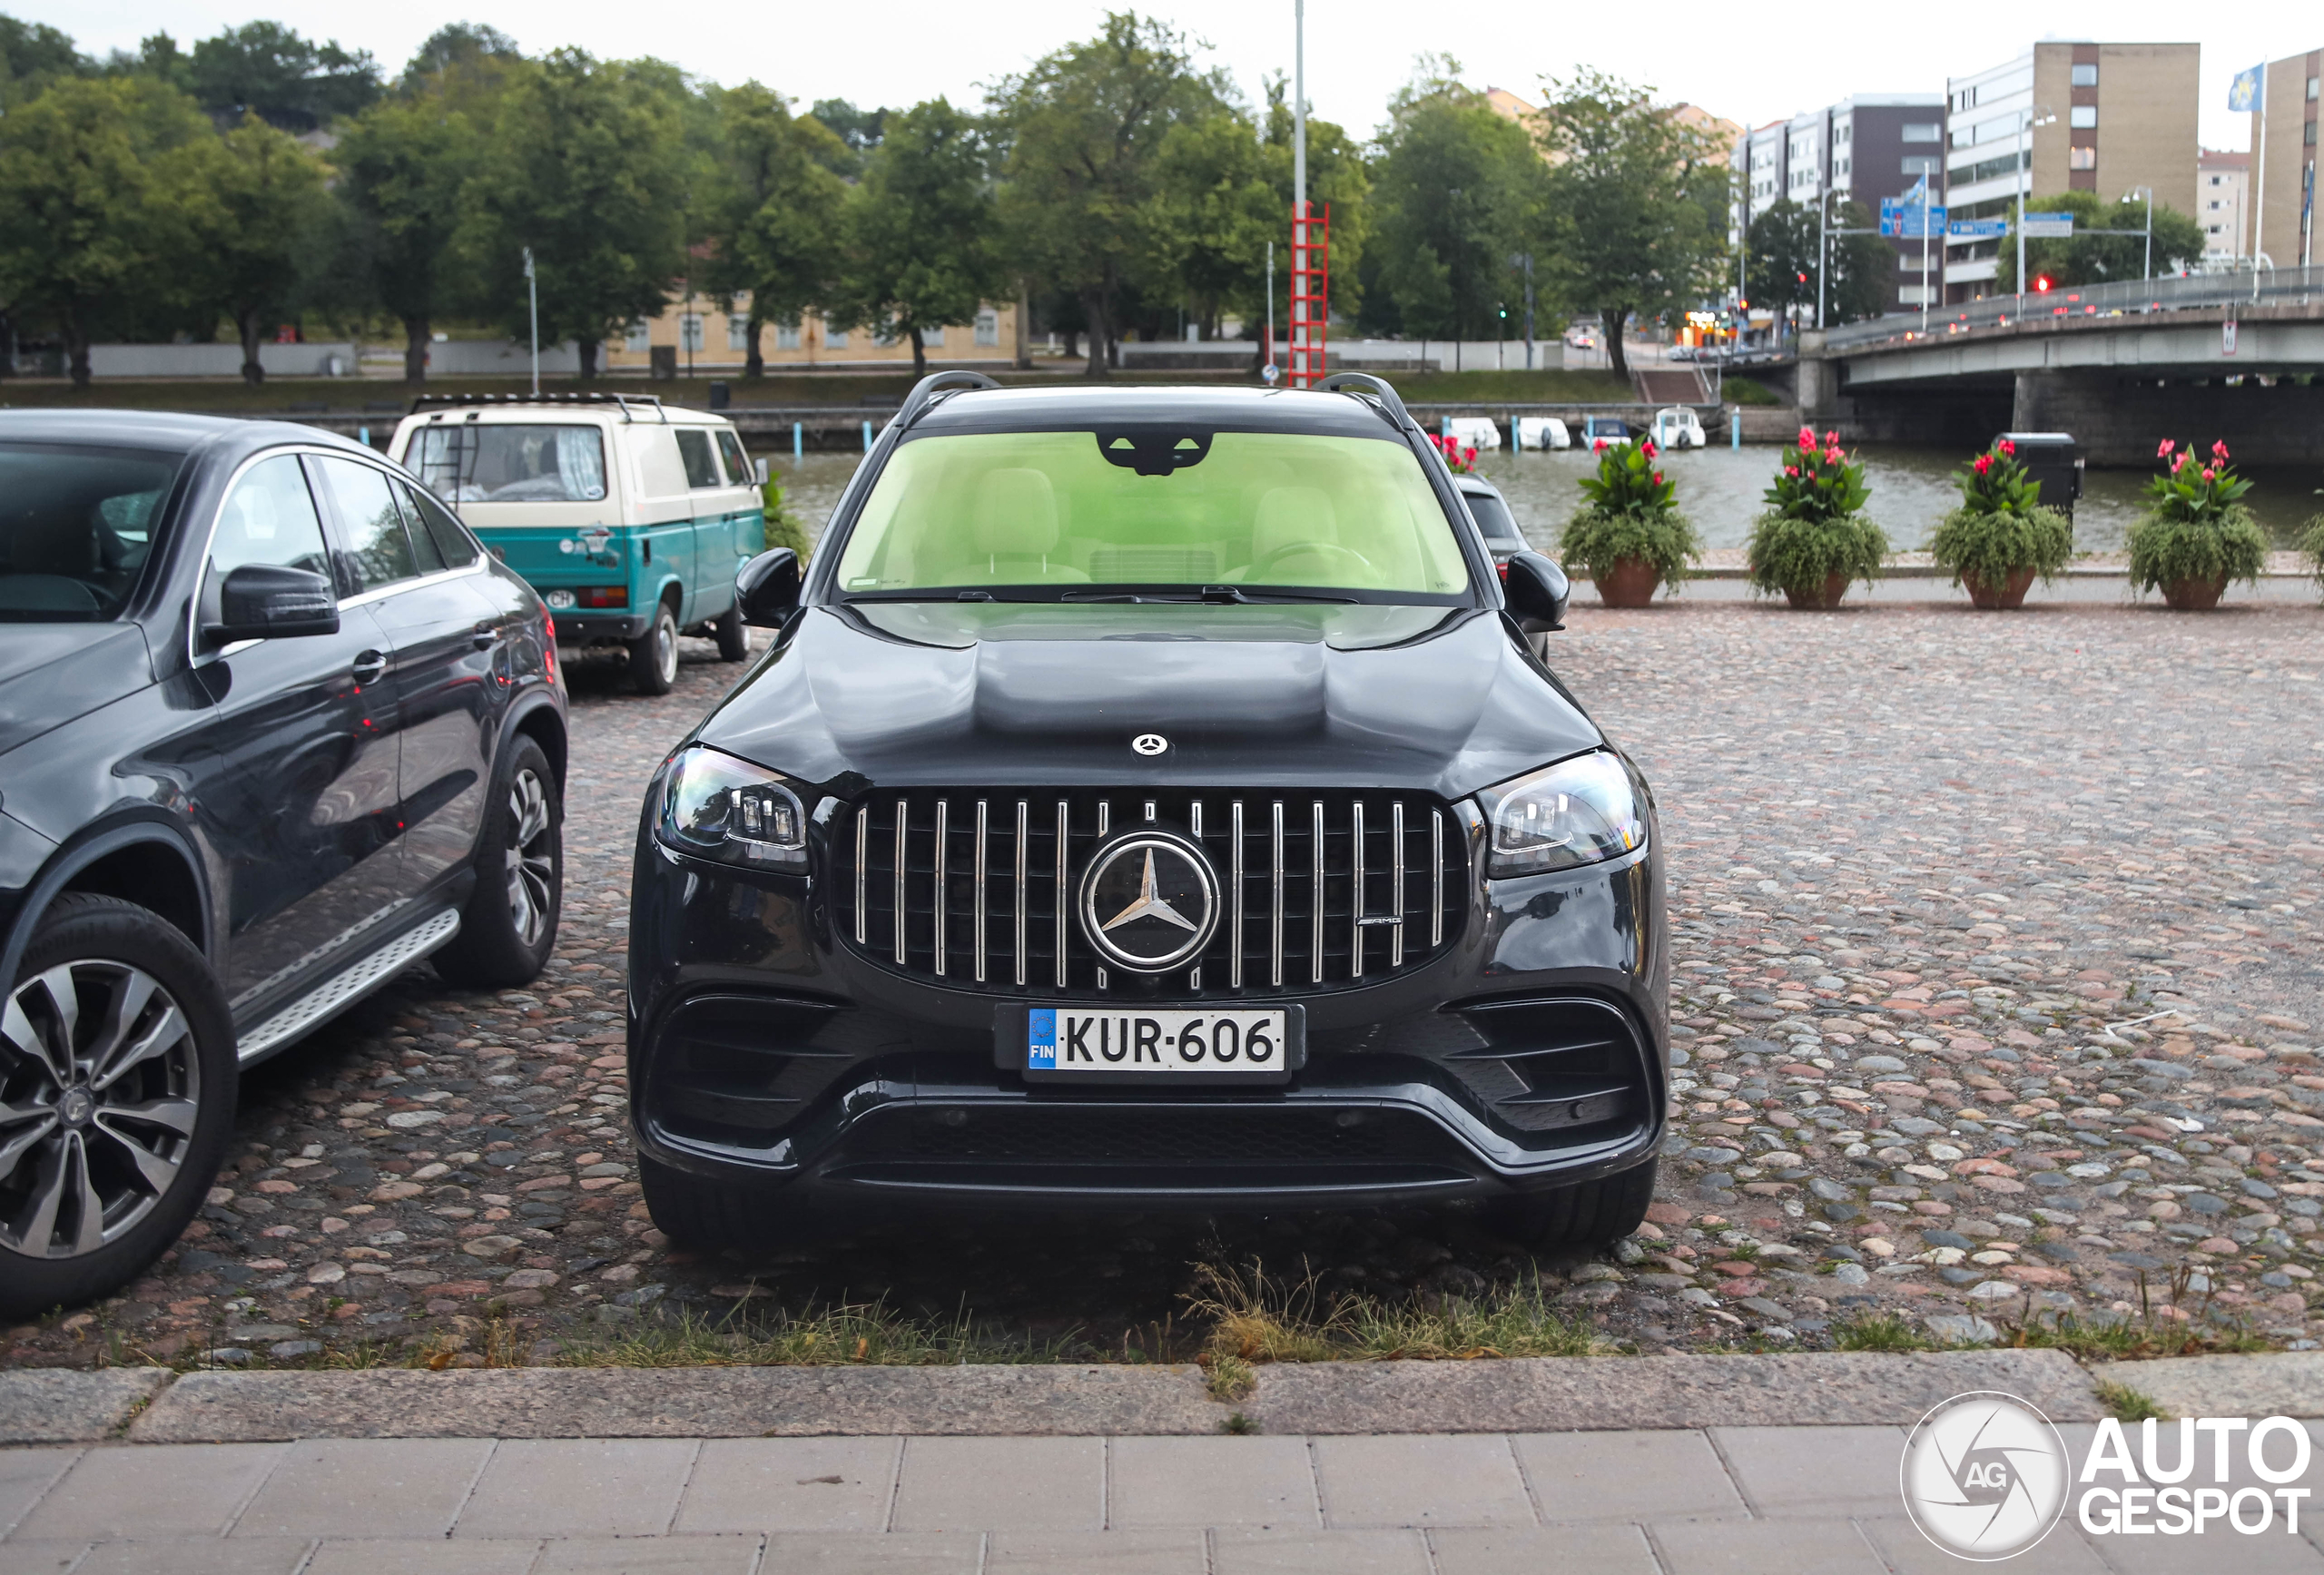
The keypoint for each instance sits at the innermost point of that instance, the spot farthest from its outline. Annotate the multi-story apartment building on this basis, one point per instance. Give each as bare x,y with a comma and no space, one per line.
2223,191
2283,193
1862,149
2109,118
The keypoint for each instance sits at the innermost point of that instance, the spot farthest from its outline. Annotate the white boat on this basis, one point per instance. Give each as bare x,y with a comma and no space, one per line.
1479,432
1543,432
1677,428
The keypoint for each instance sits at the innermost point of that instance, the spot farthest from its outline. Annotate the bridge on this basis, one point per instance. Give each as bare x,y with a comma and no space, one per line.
2118,365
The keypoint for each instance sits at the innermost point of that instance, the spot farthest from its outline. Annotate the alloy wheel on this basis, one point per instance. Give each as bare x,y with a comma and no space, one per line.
100,1087
665,649
532,856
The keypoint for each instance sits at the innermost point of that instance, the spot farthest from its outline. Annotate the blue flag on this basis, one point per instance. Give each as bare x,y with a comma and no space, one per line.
2244,94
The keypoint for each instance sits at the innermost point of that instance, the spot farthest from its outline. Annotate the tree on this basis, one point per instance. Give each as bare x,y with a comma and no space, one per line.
1083,130
1636,202
266,69
1863,267
262,229
1214,211
584,164
1338,177
32,55
1458,189
1779,259
921,231
458,45
2088,259
404,163
95,197
858,129
775,212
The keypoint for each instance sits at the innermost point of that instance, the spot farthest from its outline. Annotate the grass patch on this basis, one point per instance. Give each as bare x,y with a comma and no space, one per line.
1558,385
2128,1339
1737,391
1876,1331
2128,1404
851,1334
1256,1318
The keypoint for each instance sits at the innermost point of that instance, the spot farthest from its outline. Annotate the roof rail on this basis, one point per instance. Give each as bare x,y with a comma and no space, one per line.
1365,383
625,401
923,393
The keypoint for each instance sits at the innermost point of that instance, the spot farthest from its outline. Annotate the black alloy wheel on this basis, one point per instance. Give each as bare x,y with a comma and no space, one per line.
509,927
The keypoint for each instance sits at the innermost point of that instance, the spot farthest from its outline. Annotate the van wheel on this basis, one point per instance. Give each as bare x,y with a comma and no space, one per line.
653,656
734,636
509,926
117,1087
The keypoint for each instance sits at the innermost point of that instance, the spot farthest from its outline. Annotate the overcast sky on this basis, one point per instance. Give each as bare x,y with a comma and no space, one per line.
1749,63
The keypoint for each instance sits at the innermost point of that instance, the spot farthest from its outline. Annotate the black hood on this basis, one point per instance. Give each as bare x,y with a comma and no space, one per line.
51,673
1430,699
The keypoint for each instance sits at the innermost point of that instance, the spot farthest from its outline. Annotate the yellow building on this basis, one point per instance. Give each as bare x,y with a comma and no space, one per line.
697,334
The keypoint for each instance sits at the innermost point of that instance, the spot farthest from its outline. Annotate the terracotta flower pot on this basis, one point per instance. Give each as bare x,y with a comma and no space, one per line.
1834,588
1998,598
1631,584
2194,595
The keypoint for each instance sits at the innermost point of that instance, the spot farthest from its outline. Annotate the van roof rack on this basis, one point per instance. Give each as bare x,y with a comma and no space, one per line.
448,401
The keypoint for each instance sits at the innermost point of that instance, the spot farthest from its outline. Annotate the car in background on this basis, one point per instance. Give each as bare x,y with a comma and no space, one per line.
629,516
1503,539
1682,353
1677,426
273,728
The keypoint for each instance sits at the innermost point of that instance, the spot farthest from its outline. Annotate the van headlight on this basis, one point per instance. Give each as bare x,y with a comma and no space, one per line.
1577,811
716,806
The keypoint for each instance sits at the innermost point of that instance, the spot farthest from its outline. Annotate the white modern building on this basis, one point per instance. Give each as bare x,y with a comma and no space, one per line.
1863,149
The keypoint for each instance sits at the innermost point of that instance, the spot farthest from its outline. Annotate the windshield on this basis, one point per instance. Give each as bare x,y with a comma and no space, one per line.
76,526
481,462
1154,507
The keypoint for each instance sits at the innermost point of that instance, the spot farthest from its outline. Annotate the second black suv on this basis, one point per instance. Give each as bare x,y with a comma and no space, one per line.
272,728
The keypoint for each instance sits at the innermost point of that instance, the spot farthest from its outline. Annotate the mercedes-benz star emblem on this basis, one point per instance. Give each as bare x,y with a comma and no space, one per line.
1149,900
1149,744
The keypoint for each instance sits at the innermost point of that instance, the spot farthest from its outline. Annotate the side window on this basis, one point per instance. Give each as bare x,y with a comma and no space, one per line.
378,553
424,550
457,546
738,464
694,448
269,518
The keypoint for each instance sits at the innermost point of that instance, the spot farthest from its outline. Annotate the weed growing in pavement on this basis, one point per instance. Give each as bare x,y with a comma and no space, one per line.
2127,1339
868,1334
1238,1425
1227,1377
2128,1404
1876,1331
1258,1318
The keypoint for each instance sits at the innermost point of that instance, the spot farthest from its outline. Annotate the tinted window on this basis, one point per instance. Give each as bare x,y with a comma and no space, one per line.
458,548
424,551
480,462
76,526
378,553
1493,518
694,448
738,464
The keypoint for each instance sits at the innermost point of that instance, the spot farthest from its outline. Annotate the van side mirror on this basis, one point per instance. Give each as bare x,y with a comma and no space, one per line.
767,588
1535,592
270,602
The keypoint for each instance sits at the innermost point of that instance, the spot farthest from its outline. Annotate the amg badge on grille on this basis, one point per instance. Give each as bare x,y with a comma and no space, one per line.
1149,900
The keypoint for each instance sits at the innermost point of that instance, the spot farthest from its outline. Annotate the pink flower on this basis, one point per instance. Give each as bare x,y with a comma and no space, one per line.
1647,447
1791,470
2218,449
1834,456
2163,450
1806,440
1658,478
2210,473
1831,439
2008,448
1984,462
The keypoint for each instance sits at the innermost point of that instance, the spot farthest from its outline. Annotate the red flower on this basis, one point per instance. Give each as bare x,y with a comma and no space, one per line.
1806,440
1834,456
2210,473
1831,439
2163,450
2008,448
1646,447
1984,462
2218,449
1791,470
1658,478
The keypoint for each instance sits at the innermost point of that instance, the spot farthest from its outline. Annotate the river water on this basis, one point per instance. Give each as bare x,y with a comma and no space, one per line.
1720,489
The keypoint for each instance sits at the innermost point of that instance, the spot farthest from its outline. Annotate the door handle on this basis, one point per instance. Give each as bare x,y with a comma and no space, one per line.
484,635
369,667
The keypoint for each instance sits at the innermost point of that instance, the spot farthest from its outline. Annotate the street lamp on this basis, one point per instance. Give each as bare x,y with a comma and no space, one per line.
2041,114
2146,270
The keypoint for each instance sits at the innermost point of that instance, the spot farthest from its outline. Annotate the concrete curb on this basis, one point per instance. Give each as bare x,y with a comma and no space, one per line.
1597,1393
60,1407
2281,1384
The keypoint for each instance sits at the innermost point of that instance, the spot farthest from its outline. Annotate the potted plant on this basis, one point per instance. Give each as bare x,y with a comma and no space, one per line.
1814,541
2001,535
1628,534
2197,534
2311,544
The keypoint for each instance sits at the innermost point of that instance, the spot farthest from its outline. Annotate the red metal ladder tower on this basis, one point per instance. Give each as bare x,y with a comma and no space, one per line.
1311,290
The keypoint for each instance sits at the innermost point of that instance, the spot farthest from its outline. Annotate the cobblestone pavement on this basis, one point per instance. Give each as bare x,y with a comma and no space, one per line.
1922,859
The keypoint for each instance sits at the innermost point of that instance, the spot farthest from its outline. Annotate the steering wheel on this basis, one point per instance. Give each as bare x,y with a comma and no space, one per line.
1330,551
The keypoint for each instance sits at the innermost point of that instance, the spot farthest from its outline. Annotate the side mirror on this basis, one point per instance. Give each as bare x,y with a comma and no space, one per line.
270,602
767,588
1535,591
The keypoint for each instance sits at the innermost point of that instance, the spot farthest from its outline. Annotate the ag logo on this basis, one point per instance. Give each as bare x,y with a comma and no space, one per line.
1149,744
1984,1476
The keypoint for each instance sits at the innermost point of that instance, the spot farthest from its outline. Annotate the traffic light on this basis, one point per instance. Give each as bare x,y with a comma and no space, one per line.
2041,284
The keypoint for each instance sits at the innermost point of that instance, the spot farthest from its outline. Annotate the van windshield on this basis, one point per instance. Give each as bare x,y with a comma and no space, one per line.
482,462
1135,507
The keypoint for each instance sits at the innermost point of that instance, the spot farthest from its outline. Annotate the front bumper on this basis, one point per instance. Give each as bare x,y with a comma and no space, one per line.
1532,1054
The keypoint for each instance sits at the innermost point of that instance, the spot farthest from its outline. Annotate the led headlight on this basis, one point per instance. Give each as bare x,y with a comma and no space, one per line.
1577,811
715,806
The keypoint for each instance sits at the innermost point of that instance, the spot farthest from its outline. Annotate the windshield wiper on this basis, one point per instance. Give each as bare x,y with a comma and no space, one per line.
1232,594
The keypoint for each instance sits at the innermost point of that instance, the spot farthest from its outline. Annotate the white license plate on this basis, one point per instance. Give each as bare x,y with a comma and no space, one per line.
1100,1042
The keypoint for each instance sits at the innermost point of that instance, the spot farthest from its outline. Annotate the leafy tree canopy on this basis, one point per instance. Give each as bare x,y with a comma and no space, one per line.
921,231
272,72
2087,258
774,210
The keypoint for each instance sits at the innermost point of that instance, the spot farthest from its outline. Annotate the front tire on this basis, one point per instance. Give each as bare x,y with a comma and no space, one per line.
734,636
117,1086
509,926
654,656
1592,1215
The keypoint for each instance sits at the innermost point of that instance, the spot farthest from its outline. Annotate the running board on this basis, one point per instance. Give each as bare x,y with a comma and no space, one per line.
344,989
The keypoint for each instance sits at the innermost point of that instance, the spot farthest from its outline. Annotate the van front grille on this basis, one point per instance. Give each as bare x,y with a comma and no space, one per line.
1319,890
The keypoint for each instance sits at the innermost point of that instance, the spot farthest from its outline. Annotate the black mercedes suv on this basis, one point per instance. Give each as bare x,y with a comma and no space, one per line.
273,727
1153,799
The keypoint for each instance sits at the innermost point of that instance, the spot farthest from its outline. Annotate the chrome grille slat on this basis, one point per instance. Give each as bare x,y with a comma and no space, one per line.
1397,935
1234,913
1276,906
862,872
1436,878
1064,814
1355,903
903,852
1021,808
943,891
982,851
1315,942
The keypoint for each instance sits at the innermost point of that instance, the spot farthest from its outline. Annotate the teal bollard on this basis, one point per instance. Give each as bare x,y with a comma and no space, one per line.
867,436
1735,429
798,442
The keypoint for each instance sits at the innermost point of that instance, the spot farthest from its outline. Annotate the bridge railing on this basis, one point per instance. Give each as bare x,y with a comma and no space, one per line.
2277,287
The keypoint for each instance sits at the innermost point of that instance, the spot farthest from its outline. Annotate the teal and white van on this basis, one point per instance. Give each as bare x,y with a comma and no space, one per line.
629,516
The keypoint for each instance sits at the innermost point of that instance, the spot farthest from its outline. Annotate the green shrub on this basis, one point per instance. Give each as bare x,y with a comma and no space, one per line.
2002,527
1629,510
1747,392
783,528
2196,526
1814,527
2311,542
